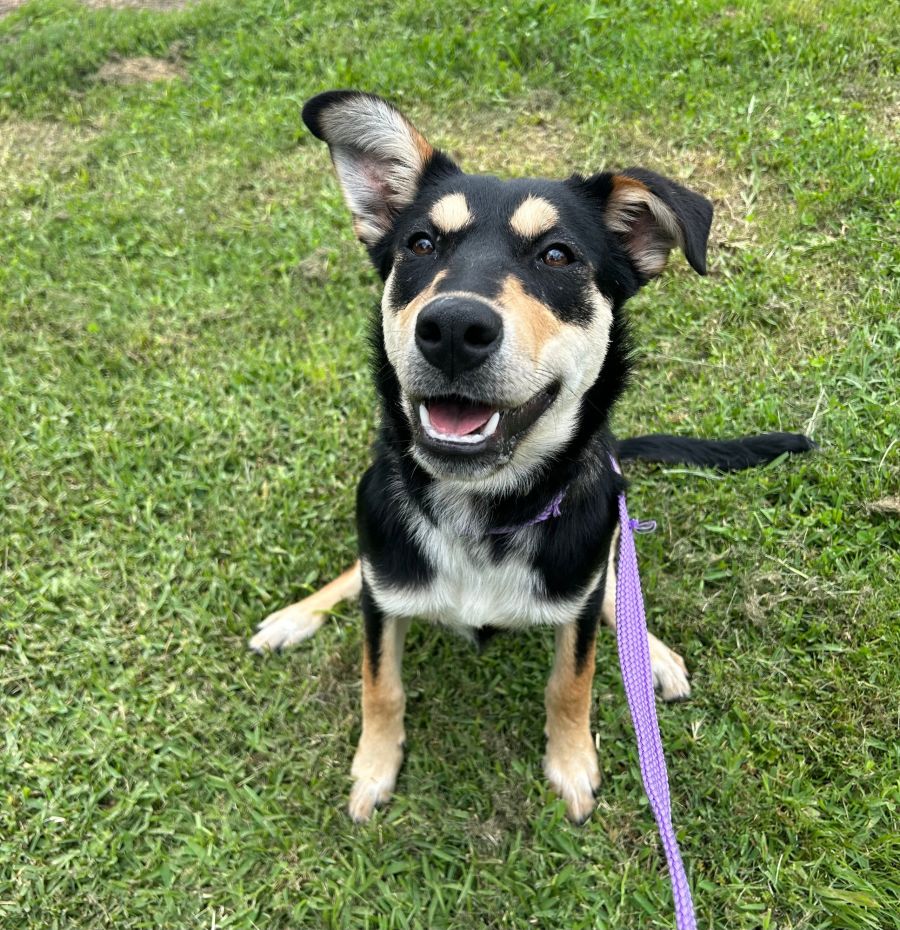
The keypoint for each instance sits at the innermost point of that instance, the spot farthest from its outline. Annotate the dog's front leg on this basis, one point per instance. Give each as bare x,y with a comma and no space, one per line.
299,621
571,760
380,751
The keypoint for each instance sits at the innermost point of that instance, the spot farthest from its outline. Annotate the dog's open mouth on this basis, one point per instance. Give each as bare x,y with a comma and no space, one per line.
457,425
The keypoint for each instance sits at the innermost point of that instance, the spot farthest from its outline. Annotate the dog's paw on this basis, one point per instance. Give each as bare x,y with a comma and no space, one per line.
285,628
375,770
574,775
670,674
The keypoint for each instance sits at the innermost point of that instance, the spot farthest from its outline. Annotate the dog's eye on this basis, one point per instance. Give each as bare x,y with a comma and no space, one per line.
557,255
420,244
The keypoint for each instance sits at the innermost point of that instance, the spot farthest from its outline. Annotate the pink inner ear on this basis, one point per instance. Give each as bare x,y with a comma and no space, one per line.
645,232
374,172
648,241
372,198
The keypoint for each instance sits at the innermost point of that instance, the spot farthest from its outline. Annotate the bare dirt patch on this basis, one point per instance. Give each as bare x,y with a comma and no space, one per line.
7,6
539,142
885,119
889,505
140,70
30,149
135,4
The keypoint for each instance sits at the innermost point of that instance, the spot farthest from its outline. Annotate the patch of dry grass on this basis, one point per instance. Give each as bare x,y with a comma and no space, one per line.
887,505
142,69
7,6
158,5
31,149
535,139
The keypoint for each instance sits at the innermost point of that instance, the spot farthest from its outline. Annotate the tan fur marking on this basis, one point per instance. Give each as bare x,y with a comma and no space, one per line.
342,588
571,760
451,213
533,216
535,321
423,146
569,690
383,692
380,751
650,240
407,316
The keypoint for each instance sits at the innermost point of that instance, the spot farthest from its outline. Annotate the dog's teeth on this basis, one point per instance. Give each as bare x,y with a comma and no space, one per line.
492,424
468,439
426,422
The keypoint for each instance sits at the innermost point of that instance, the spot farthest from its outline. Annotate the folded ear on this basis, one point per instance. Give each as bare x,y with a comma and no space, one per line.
652,215
379,156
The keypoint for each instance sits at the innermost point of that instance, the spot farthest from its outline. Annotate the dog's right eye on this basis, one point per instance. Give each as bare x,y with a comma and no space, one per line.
557,256
420,244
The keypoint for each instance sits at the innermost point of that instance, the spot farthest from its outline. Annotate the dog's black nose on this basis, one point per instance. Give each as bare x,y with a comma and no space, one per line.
456,335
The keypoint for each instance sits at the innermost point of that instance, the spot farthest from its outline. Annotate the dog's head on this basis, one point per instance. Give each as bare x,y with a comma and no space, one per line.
500,297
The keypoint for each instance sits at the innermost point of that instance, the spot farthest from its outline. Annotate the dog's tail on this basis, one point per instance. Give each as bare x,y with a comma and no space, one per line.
724,454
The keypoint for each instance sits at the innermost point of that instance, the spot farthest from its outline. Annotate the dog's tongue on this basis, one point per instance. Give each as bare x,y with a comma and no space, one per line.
455,418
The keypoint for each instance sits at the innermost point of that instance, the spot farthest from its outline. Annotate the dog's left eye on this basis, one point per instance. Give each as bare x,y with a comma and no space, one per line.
420,244
556,256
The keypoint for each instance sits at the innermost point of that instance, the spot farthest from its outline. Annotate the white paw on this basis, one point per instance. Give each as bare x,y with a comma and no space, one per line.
375,769
285,628
574,775
670,674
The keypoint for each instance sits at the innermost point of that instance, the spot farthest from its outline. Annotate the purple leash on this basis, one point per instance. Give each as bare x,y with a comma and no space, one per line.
637,677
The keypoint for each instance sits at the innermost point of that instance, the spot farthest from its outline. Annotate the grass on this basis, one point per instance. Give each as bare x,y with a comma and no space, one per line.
185,410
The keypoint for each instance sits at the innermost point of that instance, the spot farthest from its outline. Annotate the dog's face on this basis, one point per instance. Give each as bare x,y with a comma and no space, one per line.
499,296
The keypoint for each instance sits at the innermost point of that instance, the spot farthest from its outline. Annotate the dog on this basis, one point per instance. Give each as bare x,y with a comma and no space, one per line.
500,349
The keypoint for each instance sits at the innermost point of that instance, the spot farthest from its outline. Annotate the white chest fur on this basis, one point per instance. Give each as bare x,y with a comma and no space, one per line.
471,589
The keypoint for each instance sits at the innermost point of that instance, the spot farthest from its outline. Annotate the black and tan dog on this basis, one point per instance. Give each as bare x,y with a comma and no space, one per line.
500,349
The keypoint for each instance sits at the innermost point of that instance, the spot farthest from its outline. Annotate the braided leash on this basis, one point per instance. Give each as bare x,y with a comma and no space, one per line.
637,677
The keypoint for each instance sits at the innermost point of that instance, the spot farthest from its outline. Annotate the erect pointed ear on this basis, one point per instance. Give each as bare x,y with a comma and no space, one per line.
652,215
379,156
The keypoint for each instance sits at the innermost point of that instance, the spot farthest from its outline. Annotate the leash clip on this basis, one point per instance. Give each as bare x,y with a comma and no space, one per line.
642,526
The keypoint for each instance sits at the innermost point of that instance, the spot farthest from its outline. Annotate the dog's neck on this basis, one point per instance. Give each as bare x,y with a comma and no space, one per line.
465,509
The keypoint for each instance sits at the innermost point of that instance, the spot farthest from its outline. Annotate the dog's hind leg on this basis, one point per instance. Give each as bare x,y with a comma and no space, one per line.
380,751
299,621
670,675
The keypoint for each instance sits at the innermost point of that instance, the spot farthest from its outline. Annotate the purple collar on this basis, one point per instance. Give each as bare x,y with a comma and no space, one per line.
553,509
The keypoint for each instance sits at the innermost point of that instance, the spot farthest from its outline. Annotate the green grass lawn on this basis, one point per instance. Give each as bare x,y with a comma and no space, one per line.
185,409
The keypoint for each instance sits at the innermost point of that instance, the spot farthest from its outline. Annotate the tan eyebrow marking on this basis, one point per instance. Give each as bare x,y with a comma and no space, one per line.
536,322
451,213
533,216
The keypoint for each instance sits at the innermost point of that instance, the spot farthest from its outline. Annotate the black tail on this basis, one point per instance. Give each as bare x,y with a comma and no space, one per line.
725,454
